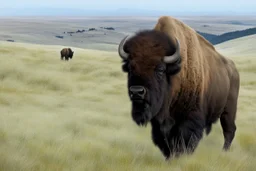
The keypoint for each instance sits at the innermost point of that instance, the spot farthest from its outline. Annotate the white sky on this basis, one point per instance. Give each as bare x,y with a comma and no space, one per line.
144,4
239,6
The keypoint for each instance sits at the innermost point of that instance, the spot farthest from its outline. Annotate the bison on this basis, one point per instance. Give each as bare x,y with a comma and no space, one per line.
67,53
180,84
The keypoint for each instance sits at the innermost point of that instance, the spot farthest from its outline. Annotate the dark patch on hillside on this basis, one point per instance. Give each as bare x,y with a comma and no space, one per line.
207,35
108,28
60,37
237,22
80,31
89,29
216,39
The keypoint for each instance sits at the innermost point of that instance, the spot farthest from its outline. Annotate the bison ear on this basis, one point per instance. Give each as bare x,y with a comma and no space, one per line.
172,69
125,66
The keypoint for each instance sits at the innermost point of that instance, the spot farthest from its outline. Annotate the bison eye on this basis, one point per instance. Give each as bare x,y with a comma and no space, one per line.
159,72
160,69
125,67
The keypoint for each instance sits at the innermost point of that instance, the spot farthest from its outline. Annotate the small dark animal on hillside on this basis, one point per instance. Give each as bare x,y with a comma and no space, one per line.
67,53
92,29
179,83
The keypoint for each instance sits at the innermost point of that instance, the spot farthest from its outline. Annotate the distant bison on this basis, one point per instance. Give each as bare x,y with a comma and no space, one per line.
179,83
67,53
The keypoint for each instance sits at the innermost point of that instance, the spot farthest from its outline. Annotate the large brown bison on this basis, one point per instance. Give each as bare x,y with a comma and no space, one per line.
179,83
67,53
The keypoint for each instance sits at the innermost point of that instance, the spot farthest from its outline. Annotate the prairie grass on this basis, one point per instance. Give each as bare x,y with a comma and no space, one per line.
75,115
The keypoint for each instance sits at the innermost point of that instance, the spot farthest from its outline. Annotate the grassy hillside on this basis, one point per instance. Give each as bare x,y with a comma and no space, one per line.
57,115
244,46
217,39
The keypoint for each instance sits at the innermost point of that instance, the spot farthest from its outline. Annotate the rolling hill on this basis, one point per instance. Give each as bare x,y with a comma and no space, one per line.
68,31
75,115
217,39
244,46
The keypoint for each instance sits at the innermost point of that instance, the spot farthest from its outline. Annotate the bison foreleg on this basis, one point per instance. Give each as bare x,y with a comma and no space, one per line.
191,132
160,140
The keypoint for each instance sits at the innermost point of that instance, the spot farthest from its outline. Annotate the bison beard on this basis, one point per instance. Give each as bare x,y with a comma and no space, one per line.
141,112
179,99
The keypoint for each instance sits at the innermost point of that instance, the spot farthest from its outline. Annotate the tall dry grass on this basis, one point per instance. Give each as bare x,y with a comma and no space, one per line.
57,115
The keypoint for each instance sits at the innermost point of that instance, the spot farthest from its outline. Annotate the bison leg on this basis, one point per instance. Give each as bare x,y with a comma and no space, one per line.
227,121
227,118
229,129
66,58
208,128
190,133
159,139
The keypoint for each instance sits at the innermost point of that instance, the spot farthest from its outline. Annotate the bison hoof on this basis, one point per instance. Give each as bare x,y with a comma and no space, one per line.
168,158
226,148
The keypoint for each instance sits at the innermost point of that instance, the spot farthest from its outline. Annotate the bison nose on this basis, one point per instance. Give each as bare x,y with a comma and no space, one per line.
137,92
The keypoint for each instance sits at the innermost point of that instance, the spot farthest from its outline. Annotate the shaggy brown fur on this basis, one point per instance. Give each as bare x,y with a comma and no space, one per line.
201,89
156,45
195,53
67,53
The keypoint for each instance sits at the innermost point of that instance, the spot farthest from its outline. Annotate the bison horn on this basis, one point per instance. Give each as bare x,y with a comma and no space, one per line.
173,58
121,51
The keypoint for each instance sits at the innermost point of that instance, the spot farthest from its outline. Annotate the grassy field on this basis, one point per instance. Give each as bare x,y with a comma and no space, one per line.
57,115
244,46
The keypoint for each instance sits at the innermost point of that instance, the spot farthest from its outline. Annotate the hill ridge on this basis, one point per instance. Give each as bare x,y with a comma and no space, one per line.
217,39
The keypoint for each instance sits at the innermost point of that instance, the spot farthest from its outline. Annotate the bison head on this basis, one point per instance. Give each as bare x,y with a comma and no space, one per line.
71,53
150,58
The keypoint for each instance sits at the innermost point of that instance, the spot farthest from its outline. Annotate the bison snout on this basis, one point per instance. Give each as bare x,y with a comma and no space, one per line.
137,92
